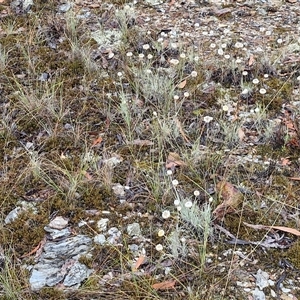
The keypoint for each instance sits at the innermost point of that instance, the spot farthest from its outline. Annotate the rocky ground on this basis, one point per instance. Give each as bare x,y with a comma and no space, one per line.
150,149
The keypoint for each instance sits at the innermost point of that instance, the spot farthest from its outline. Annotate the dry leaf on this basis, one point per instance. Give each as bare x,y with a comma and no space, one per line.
165,44
97,141
138,263
142,142
174,160
94,5
223,11
251,60
231,196
281,228
36,249
182,84
87,175
181,131
104,62
290,125
169,284
285,161
241,134
295,178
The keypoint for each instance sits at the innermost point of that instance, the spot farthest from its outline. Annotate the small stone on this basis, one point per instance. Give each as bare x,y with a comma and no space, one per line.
13,215
64,7
113,231
99,239
258,295
68,126
133,247
44,76
113,161
273,293
285,290
119,190
262,279
102,224
134,229
82,223
271,282
115,235
28,145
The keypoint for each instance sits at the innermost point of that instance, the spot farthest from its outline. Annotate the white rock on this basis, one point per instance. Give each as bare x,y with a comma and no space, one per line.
99,239
273,293
59,223
285,290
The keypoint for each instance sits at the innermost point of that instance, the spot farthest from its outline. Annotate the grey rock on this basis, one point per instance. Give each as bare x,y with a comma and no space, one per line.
77,274
59,262
29,145
68,126
262,279
258,295
21,6
37,280
42,276
113,231
55,233
133,248
13,215
65,7
70,247
22,206
44,76
114,236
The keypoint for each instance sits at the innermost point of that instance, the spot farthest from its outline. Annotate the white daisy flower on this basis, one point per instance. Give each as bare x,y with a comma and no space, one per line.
196,193
161,233
166,214
159,247
194,74
207,119
175,182
176,202
188,204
